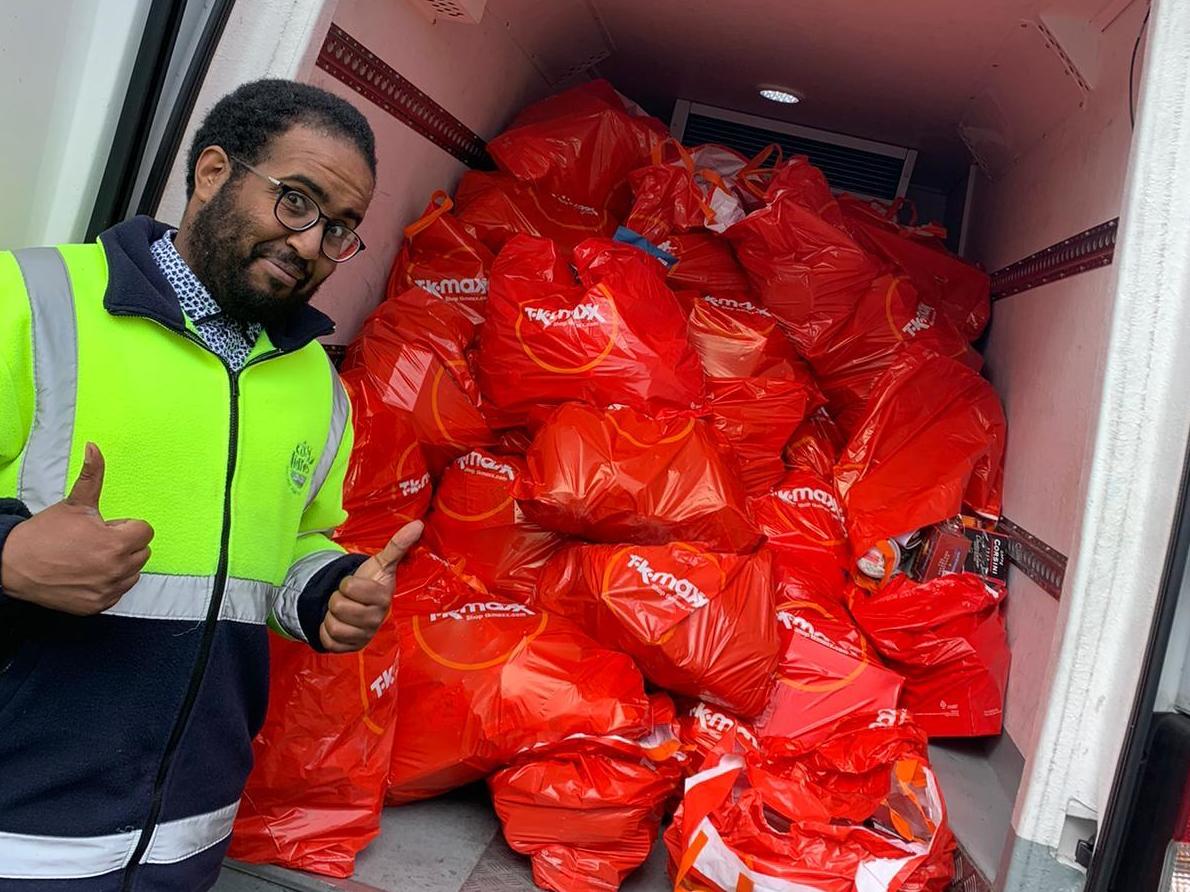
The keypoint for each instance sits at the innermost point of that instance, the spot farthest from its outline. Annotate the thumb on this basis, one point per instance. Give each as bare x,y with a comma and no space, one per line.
89,485
385,562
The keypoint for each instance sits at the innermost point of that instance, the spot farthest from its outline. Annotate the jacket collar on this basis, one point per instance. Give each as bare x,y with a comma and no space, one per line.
136,287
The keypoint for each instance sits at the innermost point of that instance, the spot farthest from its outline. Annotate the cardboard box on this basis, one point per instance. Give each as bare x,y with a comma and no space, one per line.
954,547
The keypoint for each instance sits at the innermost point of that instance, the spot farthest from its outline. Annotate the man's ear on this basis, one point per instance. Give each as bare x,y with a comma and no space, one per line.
211,171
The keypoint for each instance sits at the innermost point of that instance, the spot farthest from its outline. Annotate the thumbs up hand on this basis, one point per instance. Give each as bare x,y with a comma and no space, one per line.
68,558
357,609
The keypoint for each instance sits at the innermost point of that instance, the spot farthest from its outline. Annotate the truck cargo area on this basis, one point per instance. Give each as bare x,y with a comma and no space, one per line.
1010,123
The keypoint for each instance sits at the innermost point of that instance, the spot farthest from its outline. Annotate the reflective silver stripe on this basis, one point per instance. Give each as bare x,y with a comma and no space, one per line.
158,596
285,611
55,376
340,412
183,838
26,857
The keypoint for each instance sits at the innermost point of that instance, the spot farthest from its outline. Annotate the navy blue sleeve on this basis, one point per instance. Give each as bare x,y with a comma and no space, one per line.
312,602
12,512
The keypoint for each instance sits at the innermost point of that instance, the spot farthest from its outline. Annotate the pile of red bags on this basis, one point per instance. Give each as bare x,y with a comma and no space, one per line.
681,423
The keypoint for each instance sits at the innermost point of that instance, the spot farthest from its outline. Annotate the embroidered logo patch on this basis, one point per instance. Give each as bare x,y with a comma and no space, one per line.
300,465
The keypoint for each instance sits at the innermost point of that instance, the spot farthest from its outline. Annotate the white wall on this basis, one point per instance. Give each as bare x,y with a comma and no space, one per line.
65,66
476,72
1047,346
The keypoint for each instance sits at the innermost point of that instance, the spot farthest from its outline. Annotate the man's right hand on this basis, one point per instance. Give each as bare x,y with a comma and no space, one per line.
68,558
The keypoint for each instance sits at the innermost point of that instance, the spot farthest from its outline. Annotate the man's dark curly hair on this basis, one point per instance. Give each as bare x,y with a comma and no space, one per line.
245,121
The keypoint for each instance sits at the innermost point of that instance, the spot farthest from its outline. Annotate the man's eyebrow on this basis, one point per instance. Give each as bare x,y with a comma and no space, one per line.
320,195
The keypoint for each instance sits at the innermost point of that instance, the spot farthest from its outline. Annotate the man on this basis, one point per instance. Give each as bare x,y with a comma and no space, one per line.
173,443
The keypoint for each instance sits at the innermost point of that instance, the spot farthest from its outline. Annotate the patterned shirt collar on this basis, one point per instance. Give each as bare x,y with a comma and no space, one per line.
197,302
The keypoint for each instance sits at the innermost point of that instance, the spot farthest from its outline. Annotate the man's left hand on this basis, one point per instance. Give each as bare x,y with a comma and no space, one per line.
357,609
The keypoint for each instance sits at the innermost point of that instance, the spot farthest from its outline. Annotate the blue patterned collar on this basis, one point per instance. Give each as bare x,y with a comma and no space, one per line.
196,301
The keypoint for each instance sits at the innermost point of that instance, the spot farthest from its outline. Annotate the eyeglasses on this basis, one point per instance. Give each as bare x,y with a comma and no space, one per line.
297,212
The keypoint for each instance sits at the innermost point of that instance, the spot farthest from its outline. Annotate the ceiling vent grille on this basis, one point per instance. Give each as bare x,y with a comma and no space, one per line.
860,166
466,11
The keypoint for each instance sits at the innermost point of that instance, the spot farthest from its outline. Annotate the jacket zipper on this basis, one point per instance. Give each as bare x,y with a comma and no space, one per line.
209,624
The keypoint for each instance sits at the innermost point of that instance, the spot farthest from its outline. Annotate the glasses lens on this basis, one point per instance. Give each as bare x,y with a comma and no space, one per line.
340,243
296,210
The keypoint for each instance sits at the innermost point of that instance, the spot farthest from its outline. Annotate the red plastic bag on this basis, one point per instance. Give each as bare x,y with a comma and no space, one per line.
827,672
414,347
314,797
667,196
736,337
724,837
887,317
756,417
581,143
842,775
803,524
697,623
498,206
705,262
477,523
618,338
618,476
703,728
934,431
387,483
957,289
443,256
815,446
808,271
587,810
947,637
482,678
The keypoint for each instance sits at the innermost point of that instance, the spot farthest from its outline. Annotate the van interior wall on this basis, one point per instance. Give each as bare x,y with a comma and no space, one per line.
1047,346
477,72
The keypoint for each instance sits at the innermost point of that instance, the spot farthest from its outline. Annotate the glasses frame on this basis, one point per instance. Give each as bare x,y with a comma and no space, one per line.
286,188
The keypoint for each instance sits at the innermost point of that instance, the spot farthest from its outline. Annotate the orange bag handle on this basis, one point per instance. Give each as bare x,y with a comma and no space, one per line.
442,203
658,153
716,181
755,171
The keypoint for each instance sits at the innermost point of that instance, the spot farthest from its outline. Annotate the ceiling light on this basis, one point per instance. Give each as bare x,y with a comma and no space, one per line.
777,94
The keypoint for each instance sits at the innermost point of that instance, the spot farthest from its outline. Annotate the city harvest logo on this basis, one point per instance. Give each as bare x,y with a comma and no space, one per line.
413,485
301,461
730,303
668,584
482,609
919,323
475,287
583,314
805,496
719,724
475,461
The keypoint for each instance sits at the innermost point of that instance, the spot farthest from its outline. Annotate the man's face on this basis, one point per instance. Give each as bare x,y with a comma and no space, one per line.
255,268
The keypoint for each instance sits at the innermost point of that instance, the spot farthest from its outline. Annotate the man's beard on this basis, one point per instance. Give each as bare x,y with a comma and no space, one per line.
218,230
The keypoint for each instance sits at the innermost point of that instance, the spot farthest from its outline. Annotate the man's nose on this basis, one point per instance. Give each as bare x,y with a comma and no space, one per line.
308,242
